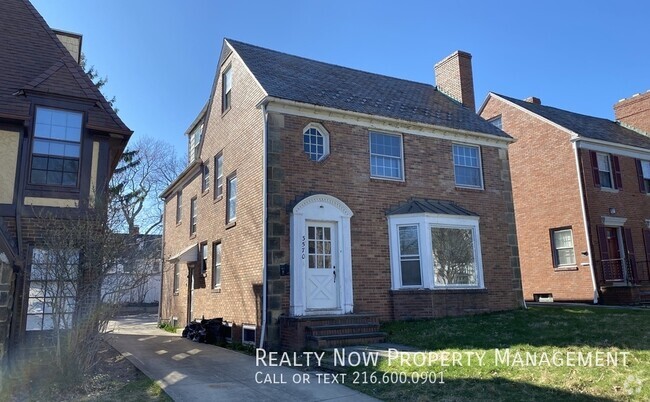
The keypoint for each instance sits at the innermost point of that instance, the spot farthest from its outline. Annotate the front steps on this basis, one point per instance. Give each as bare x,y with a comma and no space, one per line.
329,331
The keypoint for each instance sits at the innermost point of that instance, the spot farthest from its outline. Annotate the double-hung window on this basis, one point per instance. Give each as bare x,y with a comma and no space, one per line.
194,141
57,146
205,185
218,175
562,245
386,156
177,278
204,258
179,207
467,166
193,216
231,207
226,80
605,171
216,265
435,251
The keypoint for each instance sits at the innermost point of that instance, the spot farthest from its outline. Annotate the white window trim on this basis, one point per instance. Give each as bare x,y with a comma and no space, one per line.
401,144
556,259
399,256
248,327
480,165
326,140
425,221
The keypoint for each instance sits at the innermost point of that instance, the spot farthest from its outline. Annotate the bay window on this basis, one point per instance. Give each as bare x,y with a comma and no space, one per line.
435,251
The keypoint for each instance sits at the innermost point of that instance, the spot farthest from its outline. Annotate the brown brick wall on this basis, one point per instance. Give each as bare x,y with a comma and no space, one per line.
546,195
345,174
635,112
238,133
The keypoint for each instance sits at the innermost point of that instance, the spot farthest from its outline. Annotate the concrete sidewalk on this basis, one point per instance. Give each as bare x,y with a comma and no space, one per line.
190,371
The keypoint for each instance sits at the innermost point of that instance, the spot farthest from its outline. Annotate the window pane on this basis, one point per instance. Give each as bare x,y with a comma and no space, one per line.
566,256
411,273
563,238
603,162
385,155
453,256
41,147
645,167
467,166
408,240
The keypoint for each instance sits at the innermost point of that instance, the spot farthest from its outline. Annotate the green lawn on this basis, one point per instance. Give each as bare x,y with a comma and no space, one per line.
550,331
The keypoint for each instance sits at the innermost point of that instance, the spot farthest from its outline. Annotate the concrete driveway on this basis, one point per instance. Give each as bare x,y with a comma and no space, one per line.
190,371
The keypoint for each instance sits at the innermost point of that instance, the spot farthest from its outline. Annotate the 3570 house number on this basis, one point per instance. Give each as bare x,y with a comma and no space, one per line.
303,248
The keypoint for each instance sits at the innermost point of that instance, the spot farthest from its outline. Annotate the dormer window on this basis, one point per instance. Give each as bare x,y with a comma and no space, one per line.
316,142
56,149
194,141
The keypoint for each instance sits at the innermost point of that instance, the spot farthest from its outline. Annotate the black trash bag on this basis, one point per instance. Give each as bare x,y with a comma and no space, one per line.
215,332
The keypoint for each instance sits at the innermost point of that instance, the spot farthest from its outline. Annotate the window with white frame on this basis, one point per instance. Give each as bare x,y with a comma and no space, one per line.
645,175
194,215
177,278
218,175
409,255
605,171
194,141
57,147
52,289
216,265
562,244
205,186
316,142
386,156
204,258
231,207
226,94
467,166
436,250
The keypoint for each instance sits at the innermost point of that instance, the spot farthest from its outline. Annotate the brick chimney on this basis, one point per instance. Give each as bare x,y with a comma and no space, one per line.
71,41
454,78
634,112
532,99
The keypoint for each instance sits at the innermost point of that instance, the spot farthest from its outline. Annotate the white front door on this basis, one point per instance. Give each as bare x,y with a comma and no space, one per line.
321,276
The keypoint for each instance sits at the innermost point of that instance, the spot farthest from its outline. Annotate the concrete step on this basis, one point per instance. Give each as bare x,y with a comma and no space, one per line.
341,329
331,341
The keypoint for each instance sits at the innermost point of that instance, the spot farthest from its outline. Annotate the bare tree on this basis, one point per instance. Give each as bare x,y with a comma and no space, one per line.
151,165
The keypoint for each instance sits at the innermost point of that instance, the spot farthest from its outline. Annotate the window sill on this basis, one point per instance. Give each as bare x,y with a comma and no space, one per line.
219,198
387,180
231,225
566,268
439,290
176,293
469,188
224,112
205,192
609,190
179,223
193,236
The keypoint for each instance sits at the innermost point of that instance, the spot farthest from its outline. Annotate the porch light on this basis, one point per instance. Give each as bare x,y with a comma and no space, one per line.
612,211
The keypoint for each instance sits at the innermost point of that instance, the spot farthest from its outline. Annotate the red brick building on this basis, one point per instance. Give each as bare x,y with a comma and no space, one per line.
580,186
59,143
320,200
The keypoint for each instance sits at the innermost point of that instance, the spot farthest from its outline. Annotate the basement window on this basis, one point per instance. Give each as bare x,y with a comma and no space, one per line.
248,334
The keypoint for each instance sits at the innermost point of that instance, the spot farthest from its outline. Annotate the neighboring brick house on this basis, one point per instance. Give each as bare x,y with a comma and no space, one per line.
580,186
59,141
313,194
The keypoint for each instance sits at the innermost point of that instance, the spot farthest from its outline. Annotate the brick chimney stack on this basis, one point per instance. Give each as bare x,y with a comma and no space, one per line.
534,100
454,78
634,112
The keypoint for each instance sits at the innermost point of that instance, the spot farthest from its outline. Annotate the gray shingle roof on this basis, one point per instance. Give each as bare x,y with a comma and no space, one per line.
421,205
308,81
586,126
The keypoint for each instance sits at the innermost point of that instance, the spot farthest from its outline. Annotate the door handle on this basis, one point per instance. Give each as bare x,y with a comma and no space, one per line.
334,272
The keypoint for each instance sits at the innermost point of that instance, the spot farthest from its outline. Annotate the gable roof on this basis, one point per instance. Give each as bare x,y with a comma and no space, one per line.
37,62
421,205
585,126
313,82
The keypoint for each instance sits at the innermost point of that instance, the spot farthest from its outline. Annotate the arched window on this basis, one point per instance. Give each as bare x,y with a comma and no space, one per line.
316,142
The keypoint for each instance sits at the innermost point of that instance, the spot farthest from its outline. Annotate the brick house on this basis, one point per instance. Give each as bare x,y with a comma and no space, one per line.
320,199
580,186
59,141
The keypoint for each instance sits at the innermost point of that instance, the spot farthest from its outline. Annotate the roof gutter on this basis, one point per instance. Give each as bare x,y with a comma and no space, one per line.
180,178
623,147
336,114
264,223
585,220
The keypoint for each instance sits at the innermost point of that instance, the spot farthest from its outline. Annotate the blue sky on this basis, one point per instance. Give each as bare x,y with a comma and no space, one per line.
160,56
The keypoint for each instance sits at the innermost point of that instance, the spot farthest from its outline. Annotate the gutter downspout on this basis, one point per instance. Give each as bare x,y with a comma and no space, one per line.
162,262
264,223
586,222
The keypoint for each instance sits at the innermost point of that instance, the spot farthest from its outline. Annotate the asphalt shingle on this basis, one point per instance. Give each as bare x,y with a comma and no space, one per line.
313,82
